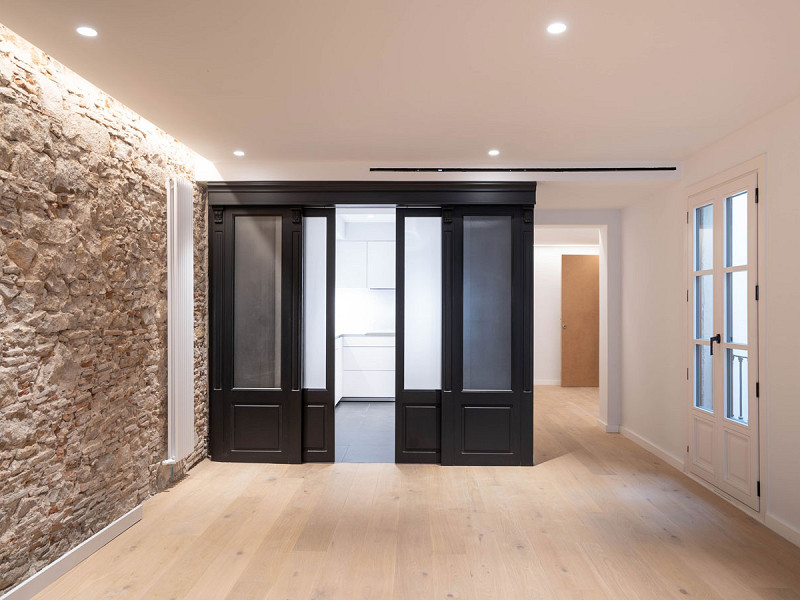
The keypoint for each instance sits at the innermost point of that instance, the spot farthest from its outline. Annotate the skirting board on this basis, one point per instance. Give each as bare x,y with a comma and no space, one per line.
37,582
608,428
667,457
546,382
783,529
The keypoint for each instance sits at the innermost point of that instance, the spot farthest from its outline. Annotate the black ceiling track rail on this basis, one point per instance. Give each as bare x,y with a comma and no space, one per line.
398,193
520,169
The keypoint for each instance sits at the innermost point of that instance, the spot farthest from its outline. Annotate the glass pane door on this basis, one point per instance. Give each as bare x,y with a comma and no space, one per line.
723,330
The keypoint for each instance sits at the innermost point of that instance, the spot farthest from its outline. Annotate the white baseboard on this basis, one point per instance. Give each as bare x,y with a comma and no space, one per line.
37,582
667,457
546,382
782,528
608,428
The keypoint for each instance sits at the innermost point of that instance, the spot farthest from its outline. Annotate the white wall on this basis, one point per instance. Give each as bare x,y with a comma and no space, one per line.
547,310
654,405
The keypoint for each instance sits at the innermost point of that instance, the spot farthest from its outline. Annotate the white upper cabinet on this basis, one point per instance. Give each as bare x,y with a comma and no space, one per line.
381,265
351,264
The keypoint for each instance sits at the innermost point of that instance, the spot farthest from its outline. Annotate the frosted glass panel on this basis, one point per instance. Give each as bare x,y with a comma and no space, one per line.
315,237
736,307
422,353
703,374
704,306
736,230
704,238
257,302
487,303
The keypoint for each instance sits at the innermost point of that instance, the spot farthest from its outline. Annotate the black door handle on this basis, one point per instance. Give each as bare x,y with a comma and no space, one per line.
714,338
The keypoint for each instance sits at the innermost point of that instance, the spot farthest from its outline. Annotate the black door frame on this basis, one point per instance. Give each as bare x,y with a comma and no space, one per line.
304,198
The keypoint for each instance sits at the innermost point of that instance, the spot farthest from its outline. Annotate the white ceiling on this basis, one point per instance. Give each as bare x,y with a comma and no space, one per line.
374,83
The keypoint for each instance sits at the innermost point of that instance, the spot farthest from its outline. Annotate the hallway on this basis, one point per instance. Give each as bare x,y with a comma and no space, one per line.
598,517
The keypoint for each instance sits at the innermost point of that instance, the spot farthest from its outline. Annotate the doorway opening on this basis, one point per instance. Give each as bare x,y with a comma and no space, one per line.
567,311
364,395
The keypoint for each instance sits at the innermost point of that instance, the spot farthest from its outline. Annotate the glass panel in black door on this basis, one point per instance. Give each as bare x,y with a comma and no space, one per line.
487,402
256,400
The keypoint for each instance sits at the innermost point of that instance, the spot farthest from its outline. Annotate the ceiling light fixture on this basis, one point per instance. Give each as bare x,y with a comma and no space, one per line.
494,152
86,31
556,28
238,152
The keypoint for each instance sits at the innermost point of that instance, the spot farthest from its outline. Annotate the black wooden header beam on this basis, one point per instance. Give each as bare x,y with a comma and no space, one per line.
398,193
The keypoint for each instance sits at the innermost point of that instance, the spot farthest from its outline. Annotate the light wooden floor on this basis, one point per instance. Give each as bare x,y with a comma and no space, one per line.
598,517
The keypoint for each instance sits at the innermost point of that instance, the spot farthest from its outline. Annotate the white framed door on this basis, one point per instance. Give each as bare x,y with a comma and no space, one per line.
723,337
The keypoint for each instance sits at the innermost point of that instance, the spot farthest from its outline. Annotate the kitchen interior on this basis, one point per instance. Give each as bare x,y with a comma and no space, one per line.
365,334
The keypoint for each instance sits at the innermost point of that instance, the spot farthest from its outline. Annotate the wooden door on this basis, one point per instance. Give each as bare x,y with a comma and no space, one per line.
487,388
580,321
256,397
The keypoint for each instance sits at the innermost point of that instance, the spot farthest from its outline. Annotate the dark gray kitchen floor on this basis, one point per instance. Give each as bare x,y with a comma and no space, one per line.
365,431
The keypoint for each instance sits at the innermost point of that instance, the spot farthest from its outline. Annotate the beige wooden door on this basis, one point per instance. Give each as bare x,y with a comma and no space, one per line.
580,321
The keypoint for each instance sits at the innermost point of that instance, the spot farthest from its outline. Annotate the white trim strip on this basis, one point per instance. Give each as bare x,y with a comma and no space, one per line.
38,581
667,457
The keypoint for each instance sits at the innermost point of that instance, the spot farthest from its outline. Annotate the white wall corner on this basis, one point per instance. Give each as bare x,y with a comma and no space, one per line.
39,581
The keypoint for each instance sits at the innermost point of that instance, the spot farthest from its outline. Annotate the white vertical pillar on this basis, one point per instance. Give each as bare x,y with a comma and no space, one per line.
180,319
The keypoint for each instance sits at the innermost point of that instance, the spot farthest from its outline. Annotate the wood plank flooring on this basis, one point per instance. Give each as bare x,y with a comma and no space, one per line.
598,517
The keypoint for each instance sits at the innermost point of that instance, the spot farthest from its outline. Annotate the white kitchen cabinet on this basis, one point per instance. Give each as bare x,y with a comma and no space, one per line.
368,359
381,265
367,366
351,264
368,384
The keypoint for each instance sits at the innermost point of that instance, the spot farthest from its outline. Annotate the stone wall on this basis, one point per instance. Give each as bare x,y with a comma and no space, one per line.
83,367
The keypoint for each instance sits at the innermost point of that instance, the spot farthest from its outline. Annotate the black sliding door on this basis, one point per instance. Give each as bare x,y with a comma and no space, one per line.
418,374
487,397
256,395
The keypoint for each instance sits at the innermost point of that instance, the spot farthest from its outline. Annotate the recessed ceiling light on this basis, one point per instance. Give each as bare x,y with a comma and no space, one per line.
86,31
238,152
556,28
494,152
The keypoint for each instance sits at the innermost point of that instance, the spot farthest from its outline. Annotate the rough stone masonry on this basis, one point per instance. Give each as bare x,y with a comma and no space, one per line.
83,364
